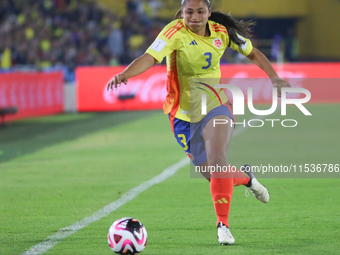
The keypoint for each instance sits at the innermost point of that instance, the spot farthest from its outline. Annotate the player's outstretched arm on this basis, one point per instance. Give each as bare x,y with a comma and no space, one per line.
262,61
138,66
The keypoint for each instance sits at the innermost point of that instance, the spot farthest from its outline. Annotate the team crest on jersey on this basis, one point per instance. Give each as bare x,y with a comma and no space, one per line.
218,43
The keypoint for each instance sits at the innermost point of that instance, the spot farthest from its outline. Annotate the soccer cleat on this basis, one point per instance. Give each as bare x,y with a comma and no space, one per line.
259,191
224,235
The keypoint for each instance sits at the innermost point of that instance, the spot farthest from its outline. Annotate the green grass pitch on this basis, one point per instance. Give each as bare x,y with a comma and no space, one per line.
57,170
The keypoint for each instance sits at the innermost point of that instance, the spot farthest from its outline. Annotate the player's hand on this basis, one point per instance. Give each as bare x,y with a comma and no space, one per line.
117,81
278,83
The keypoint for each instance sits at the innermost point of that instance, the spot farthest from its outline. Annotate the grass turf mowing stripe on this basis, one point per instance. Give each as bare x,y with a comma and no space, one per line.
52,240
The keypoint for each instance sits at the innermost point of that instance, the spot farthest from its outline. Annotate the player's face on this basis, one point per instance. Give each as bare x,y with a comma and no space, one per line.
195,14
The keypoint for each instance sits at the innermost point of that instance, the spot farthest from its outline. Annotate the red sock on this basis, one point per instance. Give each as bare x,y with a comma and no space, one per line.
222,190
240,178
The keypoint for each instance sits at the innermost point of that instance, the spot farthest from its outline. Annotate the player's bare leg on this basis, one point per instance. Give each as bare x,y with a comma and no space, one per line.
217,139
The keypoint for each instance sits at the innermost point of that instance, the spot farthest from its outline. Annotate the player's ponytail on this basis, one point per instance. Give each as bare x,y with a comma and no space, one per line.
233,26
178,14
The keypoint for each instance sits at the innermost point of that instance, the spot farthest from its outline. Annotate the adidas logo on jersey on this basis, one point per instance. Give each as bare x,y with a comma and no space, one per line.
193,42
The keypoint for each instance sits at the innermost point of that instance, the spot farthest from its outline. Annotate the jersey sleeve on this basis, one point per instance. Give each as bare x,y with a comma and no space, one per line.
245,48
167,41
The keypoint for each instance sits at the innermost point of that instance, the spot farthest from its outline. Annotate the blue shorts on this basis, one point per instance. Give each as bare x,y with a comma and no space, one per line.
193,142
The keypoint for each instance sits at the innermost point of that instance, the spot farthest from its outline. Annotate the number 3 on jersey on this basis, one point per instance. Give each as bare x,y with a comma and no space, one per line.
209,57
183,141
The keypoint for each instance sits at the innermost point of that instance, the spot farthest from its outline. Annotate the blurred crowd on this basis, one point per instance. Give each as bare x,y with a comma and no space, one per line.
50,35
63,34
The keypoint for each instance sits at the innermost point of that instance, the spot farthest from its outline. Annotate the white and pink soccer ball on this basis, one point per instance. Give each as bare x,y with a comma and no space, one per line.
127,236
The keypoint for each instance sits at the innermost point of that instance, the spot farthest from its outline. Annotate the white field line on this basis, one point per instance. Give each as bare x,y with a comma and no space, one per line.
52,240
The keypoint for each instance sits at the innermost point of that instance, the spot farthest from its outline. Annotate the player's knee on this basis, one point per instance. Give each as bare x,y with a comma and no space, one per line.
217,157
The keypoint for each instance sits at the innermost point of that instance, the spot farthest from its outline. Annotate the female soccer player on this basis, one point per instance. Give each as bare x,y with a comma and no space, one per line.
194,44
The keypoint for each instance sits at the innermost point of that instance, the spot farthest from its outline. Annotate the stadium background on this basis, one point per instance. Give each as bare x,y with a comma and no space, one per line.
63,35
55,59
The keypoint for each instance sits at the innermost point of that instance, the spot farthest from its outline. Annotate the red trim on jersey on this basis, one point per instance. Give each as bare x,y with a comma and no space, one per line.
222,28
219,28
220,31
176,30
218,25
172,29
172,98
167,32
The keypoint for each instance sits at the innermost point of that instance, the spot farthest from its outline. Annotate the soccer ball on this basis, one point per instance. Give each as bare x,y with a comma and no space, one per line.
127,236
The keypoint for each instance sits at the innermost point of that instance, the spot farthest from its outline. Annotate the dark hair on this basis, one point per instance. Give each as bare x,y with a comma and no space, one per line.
232,25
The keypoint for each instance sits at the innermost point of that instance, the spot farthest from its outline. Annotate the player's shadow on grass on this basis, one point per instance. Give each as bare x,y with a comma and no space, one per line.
27,136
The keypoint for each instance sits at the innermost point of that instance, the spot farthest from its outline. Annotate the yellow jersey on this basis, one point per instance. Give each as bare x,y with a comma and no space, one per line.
193,67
